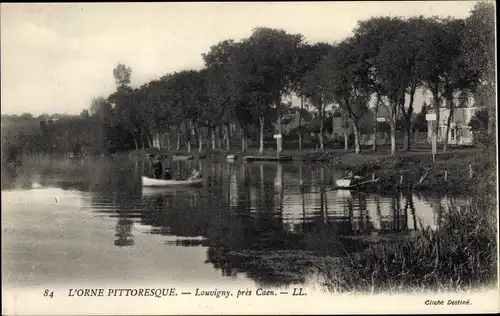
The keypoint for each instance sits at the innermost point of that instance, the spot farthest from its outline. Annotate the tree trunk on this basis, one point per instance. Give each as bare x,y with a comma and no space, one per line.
142,138
435,94
393,138
408,118
300,122
375,127
228,137
156,140
196,133
178,140
188,138
243,139
355,129
149,141
136,144
408,133
261,121
212,133
321,128
277,103
218,137
448,123
346,136
200,141
393,122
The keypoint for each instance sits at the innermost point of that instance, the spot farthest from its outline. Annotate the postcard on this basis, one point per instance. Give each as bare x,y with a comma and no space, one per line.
249,158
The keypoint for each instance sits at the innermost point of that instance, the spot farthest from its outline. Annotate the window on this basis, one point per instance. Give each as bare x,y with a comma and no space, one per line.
463,102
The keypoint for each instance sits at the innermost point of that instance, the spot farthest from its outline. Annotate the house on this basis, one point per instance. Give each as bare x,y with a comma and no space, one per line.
460,133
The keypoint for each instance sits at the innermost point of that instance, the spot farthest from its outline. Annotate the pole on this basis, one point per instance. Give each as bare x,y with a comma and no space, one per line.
434,143
277,147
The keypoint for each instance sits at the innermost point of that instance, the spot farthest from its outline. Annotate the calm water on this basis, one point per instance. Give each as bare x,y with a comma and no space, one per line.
91,221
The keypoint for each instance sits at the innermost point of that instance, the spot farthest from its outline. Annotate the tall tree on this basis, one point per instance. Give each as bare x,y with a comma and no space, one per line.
349,83
456,76
122,74
308,58
479,54
268,62
315,87
222,93
388,55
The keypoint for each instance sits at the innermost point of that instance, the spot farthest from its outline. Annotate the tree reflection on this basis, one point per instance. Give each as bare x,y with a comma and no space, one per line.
123,233
251,216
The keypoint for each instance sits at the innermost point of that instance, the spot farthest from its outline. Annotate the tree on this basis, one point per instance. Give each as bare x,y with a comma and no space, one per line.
348,82
447,68
308,58
479,122
224,97
84,113
456,75
479,54
268,66
420,122
102,115
122,74
26,116
315,87
188,95
394,49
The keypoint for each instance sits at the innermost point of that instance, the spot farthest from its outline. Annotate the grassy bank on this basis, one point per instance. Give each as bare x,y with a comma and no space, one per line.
458,256
404,171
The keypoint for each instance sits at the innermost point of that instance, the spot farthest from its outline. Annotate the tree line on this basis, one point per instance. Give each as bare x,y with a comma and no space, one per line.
243,84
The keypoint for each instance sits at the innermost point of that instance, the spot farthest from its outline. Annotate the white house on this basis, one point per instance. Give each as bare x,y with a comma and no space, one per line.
459,133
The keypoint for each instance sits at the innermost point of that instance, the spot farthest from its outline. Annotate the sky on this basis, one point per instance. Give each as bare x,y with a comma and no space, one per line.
56,57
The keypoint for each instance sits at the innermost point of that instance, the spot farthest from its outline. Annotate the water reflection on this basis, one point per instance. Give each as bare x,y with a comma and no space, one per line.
240,207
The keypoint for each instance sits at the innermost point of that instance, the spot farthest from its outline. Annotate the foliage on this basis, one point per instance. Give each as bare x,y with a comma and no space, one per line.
241,88
479,122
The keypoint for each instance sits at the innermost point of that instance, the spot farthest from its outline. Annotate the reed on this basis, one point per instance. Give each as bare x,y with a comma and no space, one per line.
458,256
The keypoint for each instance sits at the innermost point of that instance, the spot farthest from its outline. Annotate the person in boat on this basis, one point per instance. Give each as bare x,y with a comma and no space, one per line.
157,168
168,175
349,174
196,174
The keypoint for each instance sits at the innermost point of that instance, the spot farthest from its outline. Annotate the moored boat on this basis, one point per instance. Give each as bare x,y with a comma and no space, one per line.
150,182
345,183
352,183
182,157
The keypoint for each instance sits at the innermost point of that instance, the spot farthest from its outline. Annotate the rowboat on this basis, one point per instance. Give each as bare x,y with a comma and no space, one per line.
150,182
169,190
352,183
182,157
345,183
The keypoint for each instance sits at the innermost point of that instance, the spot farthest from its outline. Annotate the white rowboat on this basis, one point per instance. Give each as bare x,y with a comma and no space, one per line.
347,183
344,183
150,182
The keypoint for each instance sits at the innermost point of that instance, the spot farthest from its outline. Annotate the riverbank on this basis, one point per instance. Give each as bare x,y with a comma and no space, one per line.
453,172
458,256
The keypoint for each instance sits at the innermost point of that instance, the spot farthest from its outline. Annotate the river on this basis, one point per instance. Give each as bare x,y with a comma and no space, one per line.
86,222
